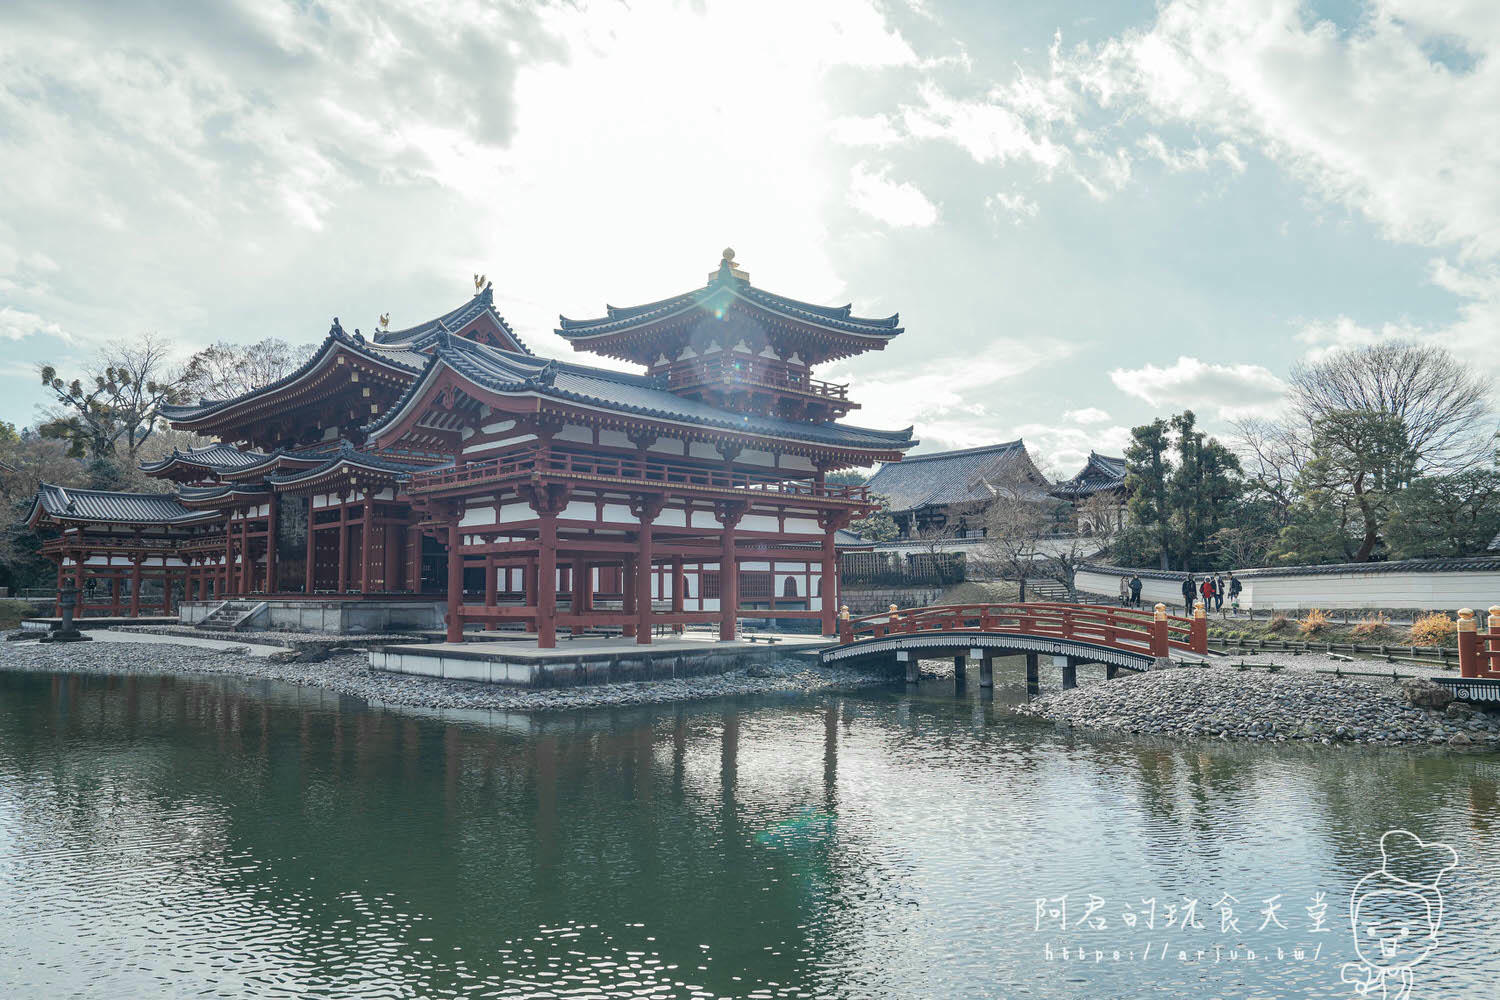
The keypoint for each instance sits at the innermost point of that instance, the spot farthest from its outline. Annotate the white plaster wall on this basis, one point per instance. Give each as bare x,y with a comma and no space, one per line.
1437,591
758,522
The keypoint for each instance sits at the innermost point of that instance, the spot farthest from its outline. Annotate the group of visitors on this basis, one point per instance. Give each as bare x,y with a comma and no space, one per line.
1212,590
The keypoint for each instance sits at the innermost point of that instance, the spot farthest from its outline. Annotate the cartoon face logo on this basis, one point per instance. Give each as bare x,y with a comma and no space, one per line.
1396,913
1394,928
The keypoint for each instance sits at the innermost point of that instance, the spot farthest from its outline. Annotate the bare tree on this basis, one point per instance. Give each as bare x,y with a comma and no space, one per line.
225,370
117,402
1443,406
1030,534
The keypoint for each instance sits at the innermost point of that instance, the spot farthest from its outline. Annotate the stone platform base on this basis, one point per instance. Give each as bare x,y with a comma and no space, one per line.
87,624
584,661
333,616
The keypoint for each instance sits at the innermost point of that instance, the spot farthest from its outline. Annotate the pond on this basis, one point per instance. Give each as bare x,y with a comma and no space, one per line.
184,836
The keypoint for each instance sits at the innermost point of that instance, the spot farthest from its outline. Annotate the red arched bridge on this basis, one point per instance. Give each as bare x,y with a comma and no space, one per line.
1083,633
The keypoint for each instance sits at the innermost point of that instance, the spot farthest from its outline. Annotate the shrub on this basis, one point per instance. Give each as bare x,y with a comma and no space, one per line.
1277,623
1315,621
1373,627
1433,630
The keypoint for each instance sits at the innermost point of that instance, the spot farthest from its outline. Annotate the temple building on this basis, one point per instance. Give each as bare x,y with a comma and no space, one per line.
446,467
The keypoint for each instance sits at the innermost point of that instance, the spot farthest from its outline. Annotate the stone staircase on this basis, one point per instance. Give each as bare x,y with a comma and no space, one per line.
1048,591
231,616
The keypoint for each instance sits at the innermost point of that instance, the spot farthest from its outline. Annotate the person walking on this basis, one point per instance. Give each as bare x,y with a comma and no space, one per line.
1234,592
1207,588
1135,590
1218,592
1189,591
1124,592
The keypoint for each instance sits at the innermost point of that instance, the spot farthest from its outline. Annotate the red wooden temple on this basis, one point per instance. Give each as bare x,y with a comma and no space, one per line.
447,462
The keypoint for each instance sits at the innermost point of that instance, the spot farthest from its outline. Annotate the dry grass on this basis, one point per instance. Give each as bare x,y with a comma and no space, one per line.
1377,626
1314,623
1276,624
1433,630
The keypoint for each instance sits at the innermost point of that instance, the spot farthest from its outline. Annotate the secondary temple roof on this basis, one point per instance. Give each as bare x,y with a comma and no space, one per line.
69,504
216,458
945,477
507,372
1099,475
420,337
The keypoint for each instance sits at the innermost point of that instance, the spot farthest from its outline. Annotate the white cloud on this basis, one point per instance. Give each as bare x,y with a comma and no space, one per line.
1087,415
1197,157
1065,450
946,398
896,203
1229,390
1015,206
17,324
873,130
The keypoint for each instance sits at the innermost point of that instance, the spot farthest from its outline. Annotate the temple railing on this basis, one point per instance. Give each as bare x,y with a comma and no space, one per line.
686,374
655,472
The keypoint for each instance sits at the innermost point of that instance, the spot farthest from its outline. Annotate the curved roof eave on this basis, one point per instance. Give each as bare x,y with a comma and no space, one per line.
806,312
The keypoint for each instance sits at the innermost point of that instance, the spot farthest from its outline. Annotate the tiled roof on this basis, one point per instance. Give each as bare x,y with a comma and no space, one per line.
217,456
198,494
67,503
398,356
723,288
1099,473
943,477
420,337
349,455
506,371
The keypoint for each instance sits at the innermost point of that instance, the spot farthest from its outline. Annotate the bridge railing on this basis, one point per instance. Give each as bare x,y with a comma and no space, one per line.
1479,652
1154,633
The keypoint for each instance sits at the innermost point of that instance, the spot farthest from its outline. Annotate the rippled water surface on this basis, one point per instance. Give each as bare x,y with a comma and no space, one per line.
208,837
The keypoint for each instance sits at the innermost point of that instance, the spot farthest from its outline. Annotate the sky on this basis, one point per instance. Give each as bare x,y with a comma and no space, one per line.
1087,214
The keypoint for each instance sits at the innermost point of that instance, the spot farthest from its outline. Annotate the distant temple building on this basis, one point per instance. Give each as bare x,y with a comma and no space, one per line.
447,467
941,502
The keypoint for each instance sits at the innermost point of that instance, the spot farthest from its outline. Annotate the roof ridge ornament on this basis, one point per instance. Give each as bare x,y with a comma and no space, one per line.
481,284
728,269
336,330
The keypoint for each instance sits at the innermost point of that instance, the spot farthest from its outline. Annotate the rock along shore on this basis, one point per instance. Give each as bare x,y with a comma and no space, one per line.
1225,703
349,673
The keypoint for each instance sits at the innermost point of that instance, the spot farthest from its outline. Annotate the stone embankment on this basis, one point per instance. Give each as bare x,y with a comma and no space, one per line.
347,671
1221,702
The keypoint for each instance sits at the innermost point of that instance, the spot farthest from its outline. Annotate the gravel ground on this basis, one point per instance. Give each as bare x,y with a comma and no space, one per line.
1312,662
350,674
291,640
1226,703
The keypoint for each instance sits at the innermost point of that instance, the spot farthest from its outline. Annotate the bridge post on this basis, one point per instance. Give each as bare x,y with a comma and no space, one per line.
960,672
913,665
1468,644
986,667
1033,680
846,630
1070,673
1160,649
1199,636
1111,671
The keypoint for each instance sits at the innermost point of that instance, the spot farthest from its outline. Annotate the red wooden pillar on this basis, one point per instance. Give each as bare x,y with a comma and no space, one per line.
115,579
390,566
135,588
228,553
57,604
490,624
271,517
628,592
455,581
643,573
247,563
309,573
729,575
343,579
546,603
828,582
366,537
529,584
